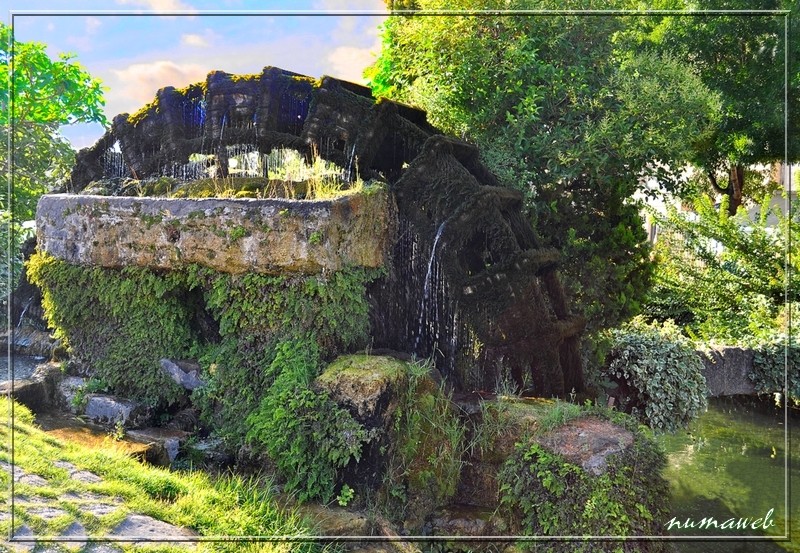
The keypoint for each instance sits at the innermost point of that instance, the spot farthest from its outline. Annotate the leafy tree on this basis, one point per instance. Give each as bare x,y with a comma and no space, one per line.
561,112
740,57
38,96
727,278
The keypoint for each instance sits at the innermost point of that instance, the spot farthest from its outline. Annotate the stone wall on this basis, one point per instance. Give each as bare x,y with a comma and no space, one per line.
727,371
228,235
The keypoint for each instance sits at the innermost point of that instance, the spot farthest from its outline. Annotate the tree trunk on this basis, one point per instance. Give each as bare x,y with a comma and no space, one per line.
735,188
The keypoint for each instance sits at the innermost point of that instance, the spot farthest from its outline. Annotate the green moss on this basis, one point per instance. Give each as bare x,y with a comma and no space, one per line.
118,323
315,238
237,232
365,367
428,442
542,493
150,220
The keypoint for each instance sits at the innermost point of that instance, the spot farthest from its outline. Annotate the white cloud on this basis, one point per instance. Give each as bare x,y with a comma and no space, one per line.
92,25
158,5
204,40
194,40
348,62
137,84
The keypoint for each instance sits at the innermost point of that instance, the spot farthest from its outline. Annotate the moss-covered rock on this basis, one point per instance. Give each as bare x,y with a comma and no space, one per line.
365,384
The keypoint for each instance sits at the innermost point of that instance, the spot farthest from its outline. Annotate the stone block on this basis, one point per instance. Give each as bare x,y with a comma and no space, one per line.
109,410
727,371
273,236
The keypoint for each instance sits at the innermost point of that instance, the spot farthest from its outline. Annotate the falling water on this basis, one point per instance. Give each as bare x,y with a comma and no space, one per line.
24,310
114,165
427,286
349,174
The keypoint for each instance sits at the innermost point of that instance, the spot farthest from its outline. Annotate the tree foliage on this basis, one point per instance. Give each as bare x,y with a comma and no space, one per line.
728,279
740,56
39,96
562,112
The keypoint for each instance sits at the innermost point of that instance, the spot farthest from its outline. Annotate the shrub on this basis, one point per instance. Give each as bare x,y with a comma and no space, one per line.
544,494
118,324
772,362
658,374
307,435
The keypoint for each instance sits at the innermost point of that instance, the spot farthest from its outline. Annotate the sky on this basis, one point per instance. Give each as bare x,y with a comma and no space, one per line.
135,51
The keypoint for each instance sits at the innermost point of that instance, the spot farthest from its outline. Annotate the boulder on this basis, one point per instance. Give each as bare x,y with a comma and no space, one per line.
69,393
26,391
588,442
110,410
39,392
185,373
164,444
364,384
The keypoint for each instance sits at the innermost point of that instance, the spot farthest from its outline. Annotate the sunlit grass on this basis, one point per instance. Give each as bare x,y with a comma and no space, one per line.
226,506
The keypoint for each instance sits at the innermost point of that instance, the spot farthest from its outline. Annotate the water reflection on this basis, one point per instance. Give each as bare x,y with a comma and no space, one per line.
729,465
23,366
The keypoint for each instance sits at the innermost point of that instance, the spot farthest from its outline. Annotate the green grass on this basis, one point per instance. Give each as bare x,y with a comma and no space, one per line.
224,506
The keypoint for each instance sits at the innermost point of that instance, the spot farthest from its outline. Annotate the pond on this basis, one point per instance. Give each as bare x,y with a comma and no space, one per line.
731,463
23,366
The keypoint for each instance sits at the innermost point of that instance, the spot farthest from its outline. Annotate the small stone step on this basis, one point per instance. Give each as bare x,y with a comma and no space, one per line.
163,444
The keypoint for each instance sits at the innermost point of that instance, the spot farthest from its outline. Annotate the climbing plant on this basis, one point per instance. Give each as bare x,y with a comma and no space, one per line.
544,494
260,340
117,324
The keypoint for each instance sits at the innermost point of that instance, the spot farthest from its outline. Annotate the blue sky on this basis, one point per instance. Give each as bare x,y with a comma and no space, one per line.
135,51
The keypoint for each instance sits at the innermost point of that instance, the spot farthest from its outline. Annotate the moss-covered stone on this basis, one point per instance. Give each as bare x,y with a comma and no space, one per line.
365,384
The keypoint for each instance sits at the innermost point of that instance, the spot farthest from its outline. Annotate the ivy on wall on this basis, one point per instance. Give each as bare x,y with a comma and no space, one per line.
267,339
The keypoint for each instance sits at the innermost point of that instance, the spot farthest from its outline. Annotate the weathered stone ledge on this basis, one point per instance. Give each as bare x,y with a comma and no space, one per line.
727,371
229,235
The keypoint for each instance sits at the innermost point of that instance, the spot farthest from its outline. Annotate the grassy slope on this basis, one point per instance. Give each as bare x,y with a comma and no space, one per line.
212,506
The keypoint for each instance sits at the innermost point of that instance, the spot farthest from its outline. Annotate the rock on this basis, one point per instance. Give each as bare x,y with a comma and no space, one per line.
587,442
187,420
23,533
38,392
229,235
214,451
149,528
334,521
74,532
727,371
164,443
110,410
465,520
364,384
29,340
28,392
68,390
188,379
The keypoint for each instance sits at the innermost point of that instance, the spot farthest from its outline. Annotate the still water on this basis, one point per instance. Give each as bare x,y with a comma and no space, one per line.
23,366
732,463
